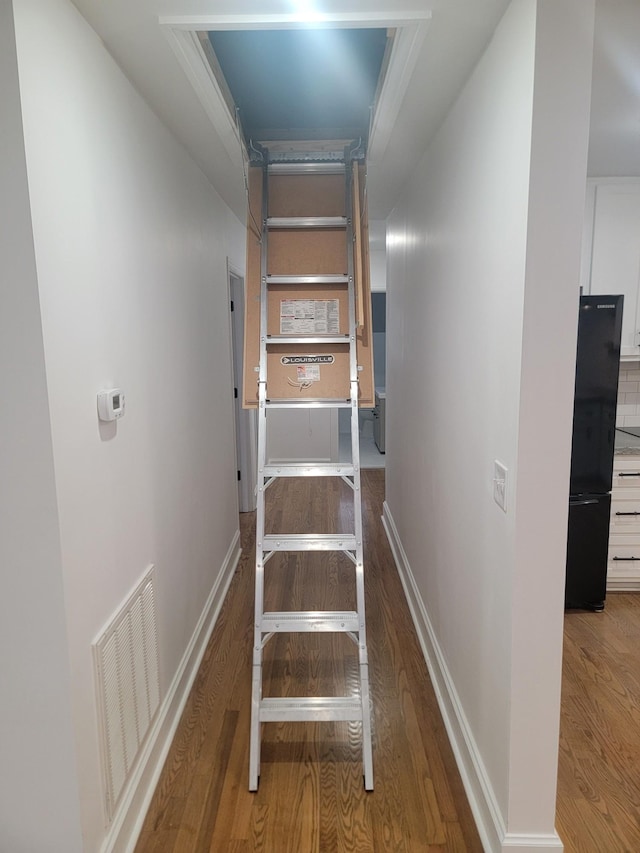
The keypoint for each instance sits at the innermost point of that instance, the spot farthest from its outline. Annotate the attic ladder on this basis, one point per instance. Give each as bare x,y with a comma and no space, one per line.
352,623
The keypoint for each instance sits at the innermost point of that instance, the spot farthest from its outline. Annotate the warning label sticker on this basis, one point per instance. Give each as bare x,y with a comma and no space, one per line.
307,359
308,374
309,317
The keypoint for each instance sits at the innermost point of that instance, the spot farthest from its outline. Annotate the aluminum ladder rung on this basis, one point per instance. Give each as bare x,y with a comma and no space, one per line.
323,469
337,278
307,222
330,167
307,339
308,403
305,708
309,621
309,542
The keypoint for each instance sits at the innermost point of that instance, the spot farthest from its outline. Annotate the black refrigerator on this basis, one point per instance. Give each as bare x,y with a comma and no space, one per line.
594,425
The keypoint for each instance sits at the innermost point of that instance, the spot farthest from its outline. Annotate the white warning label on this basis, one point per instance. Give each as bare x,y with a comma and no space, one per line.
309,373
309,317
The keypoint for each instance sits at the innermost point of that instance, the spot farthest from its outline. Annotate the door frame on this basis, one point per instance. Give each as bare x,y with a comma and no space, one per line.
246,432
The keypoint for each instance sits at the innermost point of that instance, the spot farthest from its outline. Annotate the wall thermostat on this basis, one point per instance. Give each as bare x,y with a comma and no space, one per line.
110,404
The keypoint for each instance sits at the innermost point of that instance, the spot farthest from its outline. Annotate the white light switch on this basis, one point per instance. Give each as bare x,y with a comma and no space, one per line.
500,484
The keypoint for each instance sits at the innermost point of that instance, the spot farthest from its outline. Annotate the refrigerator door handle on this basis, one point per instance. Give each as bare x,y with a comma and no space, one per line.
584,502
630,474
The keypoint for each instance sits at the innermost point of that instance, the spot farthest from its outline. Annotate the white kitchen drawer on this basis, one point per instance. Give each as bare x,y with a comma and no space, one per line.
625,517
626,462
625,490
626,479
624,530
625,548
623,574
622,579
623,563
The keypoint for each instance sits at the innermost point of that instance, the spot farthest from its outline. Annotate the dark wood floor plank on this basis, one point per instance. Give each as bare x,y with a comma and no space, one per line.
157,840
213,784
236,801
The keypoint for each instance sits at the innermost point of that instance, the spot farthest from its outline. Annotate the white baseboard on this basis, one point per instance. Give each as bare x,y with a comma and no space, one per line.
129,817
531,843
623,584
488,817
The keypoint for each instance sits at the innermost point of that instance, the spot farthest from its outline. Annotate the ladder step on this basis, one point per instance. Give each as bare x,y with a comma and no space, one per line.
307,222
339,278
321,470
308,403
309,542
308,621
310,708
307,339
309,168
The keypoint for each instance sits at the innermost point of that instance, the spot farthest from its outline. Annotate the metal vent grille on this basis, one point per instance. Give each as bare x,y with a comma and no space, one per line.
126,666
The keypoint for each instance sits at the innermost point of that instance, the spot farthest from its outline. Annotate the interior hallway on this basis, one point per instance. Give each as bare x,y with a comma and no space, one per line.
311,795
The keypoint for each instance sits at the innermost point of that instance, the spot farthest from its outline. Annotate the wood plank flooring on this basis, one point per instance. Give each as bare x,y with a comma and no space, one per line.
598,806
311,795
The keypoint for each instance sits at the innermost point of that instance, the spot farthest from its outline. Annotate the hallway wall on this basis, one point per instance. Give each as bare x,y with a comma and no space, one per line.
39,796
131,246
483,265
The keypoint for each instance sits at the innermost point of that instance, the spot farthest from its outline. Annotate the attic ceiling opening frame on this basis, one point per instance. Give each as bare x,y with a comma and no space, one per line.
410,31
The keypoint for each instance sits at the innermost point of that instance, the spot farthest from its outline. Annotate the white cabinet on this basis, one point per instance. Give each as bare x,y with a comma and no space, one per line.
611,251
623,565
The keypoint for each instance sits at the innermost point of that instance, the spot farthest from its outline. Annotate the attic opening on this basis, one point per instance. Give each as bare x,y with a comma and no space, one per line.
299,85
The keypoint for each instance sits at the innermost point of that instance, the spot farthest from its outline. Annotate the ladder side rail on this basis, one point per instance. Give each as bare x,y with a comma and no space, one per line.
353,365
256,688
348,205
264,265
357,247
367,756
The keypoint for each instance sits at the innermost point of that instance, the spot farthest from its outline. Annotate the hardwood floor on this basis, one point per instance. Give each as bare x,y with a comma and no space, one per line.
598,807
311,795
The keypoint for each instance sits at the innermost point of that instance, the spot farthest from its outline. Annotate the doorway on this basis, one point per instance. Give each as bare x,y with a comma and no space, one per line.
245,419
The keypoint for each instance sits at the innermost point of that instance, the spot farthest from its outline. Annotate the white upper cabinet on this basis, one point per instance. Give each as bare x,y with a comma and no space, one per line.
611,251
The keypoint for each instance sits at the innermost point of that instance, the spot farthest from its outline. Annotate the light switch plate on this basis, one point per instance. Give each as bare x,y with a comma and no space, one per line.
500,484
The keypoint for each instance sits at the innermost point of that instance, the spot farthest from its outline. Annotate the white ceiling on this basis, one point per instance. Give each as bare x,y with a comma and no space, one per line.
455,38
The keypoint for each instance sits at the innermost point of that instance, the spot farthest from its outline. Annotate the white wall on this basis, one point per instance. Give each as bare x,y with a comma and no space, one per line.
39,805
483,264
378,255
131,247
613,139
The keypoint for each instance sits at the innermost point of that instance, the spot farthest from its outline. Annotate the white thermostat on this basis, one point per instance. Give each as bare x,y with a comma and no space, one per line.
110,404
